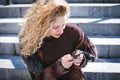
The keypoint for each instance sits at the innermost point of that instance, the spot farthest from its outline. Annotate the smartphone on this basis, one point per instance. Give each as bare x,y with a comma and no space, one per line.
76,53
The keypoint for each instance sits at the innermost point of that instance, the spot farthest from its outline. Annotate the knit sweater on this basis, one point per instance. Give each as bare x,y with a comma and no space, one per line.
49,67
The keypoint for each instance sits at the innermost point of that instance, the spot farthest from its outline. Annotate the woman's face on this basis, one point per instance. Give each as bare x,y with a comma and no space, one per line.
58,27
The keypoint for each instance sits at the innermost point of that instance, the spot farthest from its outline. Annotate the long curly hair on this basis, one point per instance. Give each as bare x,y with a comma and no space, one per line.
38,21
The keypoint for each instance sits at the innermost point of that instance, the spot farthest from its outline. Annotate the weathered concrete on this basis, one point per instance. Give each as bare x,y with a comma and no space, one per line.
10,12
91,26
11,74
111,1
102,71
95,10
108,47
104,26
83,10
13,67
84,1
98,26
93,1
10,28
22,1
7,48
101,76
2,2
70,1
8,44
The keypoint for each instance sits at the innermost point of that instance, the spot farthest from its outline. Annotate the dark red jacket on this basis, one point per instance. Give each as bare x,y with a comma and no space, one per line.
45,64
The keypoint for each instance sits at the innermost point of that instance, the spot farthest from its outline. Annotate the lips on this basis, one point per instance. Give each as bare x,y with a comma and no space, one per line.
58,34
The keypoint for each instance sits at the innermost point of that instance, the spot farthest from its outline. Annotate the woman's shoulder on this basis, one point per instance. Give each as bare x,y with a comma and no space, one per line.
73,28
74,31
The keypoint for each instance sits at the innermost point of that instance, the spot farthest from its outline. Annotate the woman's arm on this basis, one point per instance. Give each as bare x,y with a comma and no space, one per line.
52,72
82,42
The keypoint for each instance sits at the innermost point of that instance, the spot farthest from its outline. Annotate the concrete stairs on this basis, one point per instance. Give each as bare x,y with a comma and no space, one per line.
99,19
88,10
93,1
13,68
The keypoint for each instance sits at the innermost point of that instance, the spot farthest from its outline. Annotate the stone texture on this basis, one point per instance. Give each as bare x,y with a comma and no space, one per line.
82,10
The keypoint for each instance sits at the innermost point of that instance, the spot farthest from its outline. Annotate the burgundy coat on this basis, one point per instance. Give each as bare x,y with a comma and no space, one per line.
45,64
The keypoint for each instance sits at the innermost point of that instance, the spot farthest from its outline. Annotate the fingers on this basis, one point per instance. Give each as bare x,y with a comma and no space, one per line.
68,57
78,60
68,60
65,60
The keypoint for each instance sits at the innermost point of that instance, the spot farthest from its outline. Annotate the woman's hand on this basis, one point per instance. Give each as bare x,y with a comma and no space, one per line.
67,61
78,60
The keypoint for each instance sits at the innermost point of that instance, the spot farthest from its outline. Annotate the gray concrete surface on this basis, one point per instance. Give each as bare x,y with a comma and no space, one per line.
3,2
70,1
102,71
108,46
13,67
91,26
93,1
100,21
83,10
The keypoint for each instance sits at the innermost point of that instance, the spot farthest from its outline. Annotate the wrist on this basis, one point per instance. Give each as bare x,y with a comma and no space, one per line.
61,68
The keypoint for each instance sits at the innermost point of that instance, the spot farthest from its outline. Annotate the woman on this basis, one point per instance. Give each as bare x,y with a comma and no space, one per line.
48,44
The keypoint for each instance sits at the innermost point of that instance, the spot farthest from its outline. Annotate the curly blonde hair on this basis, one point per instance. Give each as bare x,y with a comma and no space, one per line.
38,22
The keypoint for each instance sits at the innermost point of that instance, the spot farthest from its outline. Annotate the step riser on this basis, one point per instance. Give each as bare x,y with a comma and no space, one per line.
9,48
2,2
82,11
102,76
10,74
105,51
12,12
93,1
10,28
24,75
88,28
104,70
100,29
70,1
108,51
96,12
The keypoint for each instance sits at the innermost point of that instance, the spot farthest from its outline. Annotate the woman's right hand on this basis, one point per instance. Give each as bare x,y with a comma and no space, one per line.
67,61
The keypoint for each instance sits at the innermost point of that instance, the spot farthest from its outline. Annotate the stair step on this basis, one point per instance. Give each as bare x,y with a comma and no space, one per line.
71,20
102,10
9,44
11,62
70,1
4,2
98,26
108,46
93,1
9,38
107,64
10,25
97,10
102,71
14,67
91,26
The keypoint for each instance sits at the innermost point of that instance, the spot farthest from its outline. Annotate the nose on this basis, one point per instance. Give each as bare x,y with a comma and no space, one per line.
60,30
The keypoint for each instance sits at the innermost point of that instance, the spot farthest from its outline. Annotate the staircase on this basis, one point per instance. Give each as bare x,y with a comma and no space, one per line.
99,19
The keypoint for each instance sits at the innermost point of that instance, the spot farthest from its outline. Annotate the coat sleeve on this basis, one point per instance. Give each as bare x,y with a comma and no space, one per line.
52,72
83,43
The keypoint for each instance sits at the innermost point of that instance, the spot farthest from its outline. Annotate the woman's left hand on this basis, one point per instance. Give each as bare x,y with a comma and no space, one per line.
78,60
